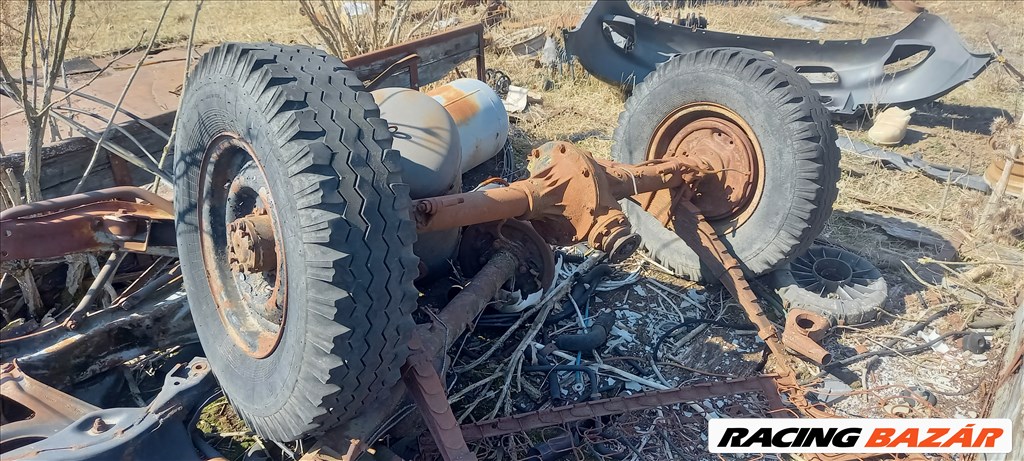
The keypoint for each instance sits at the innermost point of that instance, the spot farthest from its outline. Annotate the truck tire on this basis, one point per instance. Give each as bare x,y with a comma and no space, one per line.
294,237
761,125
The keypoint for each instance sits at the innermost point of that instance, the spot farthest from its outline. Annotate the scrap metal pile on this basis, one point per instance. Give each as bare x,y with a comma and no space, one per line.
316,227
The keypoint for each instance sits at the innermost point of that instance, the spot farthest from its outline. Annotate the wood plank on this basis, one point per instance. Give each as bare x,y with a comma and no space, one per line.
1008,401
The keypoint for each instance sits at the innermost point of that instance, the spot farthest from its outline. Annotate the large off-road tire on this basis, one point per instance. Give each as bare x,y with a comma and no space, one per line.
310,332
786,158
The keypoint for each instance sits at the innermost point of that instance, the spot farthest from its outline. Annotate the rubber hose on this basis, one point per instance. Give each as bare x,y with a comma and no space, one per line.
581,292
553,371
587,342
554,383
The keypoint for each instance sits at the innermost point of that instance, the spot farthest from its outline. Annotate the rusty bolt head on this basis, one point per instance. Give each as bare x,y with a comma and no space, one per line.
99,426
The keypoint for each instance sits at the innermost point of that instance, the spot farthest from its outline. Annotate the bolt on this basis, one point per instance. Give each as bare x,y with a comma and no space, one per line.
99,426
561,148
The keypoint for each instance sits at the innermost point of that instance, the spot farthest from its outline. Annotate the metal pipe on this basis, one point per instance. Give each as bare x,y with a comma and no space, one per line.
104,276
158,266
467,305
459,313
148,289
127,193
458,210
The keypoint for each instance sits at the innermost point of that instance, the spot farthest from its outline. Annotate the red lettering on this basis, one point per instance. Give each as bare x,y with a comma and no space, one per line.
962,437
932,441
907,438
880,437
987,437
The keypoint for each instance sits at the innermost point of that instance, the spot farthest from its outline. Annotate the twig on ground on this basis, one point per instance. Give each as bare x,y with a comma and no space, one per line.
538,323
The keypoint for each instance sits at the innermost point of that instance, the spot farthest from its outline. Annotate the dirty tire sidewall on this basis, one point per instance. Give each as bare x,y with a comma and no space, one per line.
347,239
801,160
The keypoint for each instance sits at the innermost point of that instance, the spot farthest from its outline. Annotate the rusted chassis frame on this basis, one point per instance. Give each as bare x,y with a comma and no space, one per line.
119,218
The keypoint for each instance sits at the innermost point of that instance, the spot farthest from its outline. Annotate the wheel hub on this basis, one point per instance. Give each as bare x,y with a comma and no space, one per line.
832,273
723,142
252,247
242,254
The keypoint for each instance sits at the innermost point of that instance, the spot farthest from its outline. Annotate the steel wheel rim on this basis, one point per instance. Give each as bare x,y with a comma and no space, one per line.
724,142
249,290
807,273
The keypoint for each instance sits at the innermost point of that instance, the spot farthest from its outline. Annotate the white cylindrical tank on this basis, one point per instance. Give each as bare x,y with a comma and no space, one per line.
480,116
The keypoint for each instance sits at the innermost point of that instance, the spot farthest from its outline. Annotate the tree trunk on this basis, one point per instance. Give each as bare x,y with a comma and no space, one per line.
33,159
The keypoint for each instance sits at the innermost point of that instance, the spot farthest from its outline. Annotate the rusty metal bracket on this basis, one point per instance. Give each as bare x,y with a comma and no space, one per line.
803,334
104,220
422,61
157,431
427,390
702,237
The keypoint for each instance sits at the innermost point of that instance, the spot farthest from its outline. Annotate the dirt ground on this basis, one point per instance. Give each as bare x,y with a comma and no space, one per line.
955,131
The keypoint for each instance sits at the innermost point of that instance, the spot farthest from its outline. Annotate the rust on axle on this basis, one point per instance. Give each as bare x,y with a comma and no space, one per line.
569,197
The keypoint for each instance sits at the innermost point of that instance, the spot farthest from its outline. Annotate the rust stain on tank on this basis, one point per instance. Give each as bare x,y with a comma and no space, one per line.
458,103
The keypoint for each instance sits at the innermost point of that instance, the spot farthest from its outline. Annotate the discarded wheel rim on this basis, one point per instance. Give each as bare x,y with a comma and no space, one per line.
832,273
724,143
241,253
833,282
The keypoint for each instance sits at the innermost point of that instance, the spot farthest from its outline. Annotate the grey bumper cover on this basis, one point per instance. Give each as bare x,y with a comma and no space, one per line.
621,46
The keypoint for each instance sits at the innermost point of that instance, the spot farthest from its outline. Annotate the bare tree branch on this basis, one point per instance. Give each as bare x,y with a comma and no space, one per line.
184,82
120,100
